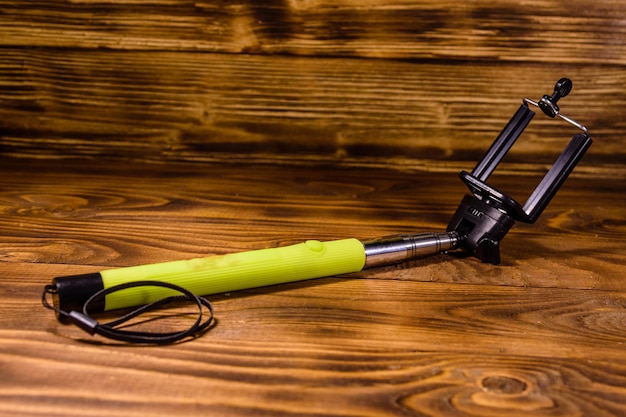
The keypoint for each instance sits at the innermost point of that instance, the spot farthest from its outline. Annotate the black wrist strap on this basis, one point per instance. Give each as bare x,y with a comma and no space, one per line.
111,330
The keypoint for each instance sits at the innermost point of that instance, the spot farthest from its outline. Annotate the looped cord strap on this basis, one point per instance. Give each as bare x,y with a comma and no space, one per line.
110,330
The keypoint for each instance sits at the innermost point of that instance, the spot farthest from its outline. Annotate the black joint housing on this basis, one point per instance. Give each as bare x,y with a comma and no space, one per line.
483,226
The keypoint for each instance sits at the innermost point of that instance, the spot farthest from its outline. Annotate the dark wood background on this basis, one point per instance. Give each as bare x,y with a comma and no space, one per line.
387,82
144,131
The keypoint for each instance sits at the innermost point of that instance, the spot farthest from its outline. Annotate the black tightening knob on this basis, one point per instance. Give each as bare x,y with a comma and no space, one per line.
562,88
548,103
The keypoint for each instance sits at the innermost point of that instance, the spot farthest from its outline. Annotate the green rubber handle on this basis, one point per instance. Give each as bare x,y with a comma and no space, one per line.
237,271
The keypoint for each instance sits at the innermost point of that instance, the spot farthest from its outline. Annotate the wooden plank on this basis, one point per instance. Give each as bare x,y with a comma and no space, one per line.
203,107
399,315
578,31
541,334
333,347
45,373
120,216
351,312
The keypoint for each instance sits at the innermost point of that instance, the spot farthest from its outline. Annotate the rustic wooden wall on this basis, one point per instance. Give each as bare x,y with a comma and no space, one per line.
407,82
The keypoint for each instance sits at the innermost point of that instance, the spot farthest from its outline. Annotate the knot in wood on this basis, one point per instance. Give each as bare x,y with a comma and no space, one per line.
504,385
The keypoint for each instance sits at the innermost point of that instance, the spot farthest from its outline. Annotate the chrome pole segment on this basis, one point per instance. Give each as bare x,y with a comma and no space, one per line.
394,249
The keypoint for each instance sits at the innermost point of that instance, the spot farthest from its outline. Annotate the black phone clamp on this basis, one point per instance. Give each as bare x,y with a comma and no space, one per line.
484,218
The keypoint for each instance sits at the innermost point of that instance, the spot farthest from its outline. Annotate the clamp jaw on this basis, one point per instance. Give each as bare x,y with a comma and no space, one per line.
484,218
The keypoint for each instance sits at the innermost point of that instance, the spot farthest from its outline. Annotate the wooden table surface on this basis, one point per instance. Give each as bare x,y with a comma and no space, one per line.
135,132
542,334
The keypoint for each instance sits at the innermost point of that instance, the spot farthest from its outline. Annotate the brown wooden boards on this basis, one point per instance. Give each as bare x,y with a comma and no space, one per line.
543,333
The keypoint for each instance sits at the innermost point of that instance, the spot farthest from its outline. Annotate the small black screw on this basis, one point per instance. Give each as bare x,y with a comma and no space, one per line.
548,103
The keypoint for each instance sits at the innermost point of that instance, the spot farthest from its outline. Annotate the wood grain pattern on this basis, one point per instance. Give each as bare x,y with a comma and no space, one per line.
287,80
574,32
543,334
241,378
196,108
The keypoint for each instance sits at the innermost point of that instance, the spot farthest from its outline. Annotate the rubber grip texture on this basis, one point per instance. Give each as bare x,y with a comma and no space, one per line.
237,271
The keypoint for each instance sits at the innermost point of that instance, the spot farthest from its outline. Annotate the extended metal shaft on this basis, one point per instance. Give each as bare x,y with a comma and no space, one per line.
394,249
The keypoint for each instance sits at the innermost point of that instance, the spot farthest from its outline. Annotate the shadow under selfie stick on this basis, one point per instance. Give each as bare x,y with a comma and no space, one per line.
479,224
